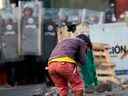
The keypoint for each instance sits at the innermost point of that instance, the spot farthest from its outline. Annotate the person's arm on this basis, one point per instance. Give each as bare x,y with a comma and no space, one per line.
83,49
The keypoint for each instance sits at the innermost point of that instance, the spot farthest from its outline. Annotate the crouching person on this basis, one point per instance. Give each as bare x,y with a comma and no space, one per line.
63,62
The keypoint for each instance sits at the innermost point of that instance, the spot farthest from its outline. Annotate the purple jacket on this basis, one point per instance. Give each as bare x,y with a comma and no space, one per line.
75,48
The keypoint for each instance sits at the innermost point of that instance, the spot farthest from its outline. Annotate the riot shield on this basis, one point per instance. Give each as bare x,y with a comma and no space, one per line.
10,40
50,31
30,29
1,34
9,35
94,17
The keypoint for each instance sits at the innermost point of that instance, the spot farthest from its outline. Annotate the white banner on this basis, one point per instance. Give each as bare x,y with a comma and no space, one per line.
116,35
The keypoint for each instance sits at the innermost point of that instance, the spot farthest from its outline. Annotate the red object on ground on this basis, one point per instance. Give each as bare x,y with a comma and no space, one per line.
121,6
3,77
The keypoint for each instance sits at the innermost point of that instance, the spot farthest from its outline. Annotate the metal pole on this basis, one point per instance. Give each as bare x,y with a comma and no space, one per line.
19,29
40,27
